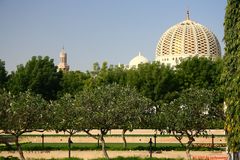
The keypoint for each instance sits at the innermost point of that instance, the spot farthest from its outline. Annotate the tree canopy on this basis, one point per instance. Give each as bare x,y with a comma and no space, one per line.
38,75
189,115
111,107
21,113
3,74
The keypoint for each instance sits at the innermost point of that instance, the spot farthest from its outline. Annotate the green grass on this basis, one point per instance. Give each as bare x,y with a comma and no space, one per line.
109,146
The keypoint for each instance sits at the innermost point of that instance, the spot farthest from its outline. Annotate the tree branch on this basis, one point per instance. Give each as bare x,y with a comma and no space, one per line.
91,135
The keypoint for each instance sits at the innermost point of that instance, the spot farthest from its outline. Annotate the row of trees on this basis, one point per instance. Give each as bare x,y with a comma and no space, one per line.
109,97
155,81
105,108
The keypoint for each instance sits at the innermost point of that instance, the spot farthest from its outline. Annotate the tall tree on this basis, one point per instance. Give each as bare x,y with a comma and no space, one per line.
199,72
3,74
21,114
231,74
73,82
38,75
155,81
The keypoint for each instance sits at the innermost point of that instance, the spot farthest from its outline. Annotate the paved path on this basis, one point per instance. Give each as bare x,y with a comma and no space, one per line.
98,154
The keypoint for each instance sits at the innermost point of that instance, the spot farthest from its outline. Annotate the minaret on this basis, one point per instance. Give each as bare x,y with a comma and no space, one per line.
63,61
188,15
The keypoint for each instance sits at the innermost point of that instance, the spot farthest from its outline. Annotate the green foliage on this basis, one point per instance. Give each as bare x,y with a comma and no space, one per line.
199,72
112,106
189,114
231,73
65,115
3,74
109,107
21,113
73,82
38,75
155,81
106,75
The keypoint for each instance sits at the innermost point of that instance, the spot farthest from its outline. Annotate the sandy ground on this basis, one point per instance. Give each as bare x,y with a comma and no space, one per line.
134,132
98,154
141,138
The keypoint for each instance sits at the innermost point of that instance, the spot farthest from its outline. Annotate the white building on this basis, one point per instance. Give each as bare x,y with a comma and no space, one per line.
139,59
186,39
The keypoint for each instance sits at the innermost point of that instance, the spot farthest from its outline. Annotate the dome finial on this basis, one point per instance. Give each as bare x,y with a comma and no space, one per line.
188,15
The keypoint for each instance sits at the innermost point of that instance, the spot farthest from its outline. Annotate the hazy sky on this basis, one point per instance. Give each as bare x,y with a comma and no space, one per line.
95,30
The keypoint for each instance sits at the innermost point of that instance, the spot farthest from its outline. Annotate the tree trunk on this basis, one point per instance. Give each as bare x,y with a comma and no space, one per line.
19,149
188,154
124,138
103,147
69,147
189,145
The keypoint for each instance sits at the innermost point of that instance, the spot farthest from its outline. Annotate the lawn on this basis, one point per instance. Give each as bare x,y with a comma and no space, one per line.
110,146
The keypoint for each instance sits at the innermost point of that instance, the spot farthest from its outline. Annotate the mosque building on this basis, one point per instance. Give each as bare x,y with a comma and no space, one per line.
139,59
185,39
63,61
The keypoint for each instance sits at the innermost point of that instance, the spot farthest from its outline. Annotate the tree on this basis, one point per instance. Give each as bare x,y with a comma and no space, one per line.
66,116
188,115
199,72
133,110
20,114
154,81
105,108
230,76
3,74
73,82
38,75
107,75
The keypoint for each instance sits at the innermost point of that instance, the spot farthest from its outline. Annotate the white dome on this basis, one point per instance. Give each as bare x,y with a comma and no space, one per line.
139,59
186,39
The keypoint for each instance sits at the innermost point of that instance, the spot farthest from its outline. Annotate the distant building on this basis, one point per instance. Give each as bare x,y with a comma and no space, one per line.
186,39
139,59
183,40
63,61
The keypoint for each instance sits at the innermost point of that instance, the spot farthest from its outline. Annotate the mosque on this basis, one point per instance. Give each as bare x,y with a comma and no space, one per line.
185,39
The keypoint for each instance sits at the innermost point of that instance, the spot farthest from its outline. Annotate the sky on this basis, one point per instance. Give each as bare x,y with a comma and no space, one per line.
96,30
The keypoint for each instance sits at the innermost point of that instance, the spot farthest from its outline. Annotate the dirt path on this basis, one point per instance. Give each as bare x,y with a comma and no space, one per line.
98,154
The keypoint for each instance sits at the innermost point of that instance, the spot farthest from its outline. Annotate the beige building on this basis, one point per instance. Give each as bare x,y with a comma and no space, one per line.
186,39
63,61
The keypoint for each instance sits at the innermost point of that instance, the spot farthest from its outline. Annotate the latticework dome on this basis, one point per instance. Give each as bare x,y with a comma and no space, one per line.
186,39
